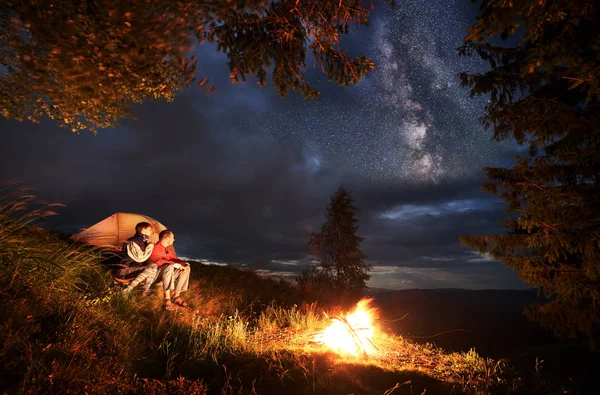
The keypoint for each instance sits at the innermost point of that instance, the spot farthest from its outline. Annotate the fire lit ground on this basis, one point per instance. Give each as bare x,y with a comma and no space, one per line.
347,352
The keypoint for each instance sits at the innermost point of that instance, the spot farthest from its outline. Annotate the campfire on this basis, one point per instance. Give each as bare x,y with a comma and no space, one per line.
351,333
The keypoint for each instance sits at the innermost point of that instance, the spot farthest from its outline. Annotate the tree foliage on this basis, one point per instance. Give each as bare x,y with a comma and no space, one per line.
342,267
84,63
543,93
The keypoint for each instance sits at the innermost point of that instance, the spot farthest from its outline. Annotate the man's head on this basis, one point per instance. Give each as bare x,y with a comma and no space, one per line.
144,228
166,238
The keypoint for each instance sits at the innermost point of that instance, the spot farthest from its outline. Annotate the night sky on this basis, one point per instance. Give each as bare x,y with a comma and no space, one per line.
243,177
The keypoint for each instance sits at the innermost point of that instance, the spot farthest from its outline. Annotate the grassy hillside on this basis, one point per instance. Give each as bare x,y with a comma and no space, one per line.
67,329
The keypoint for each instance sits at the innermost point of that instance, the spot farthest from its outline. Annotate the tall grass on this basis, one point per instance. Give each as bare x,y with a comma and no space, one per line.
53,334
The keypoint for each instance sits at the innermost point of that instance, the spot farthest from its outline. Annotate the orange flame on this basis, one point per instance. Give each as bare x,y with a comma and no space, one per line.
353,333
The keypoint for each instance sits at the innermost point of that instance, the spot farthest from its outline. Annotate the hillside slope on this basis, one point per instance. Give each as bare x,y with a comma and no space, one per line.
66,328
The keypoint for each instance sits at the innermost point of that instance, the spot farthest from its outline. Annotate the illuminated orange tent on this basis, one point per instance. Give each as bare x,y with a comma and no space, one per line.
113,231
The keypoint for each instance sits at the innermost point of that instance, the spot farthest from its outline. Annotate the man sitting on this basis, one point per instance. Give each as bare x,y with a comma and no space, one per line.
136,253
175,272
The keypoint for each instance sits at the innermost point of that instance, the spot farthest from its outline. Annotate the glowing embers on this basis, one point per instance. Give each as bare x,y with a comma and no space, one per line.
352,333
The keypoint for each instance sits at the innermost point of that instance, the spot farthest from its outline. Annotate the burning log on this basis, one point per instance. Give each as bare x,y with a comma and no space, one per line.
351,334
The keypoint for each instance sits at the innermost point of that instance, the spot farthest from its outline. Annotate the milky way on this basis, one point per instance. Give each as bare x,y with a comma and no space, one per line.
409,120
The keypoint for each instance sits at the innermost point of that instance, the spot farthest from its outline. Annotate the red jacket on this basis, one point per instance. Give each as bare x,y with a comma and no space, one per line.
164,255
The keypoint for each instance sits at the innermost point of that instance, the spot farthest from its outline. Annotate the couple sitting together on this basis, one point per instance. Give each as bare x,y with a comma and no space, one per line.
154,262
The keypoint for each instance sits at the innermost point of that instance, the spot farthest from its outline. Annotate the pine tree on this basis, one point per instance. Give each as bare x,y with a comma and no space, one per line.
544,94
84,63
342,266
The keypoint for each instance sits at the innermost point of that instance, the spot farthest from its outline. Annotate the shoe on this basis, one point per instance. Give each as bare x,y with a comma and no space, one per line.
180,302
168,305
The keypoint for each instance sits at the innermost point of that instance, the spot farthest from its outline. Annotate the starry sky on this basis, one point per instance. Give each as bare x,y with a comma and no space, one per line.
243,176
